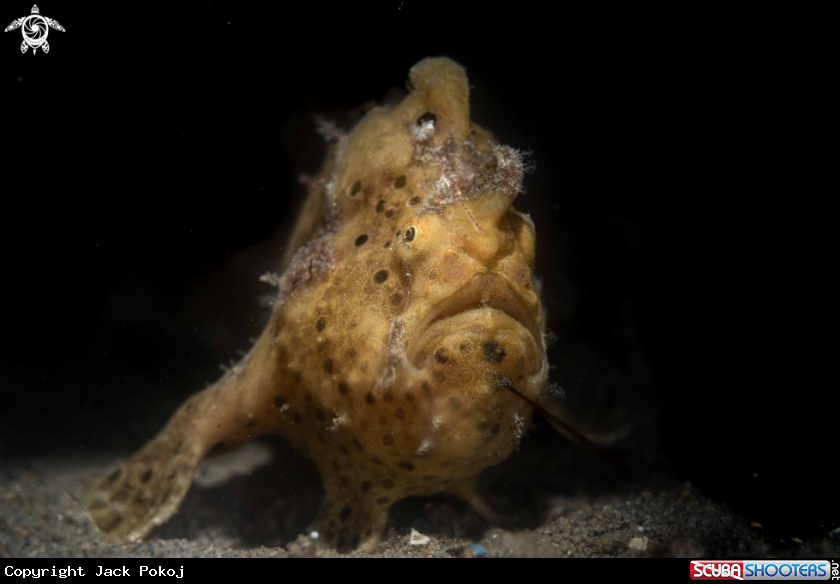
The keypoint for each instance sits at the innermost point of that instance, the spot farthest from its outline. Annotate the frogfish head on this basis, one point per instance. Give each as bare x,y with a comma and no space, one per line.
472,324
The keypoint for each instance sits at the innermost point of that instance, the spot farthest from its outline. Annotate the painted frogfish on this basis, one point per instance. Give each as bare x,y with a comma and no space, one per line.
405,334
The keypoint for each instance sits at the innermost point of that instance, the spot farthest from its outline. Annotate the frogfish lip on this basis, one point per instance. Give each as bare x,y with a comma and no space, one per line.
485,290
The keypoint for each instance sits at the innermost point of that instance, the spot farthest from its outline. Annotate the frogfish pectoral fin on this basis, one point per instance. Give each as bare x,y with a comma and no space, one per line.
147,489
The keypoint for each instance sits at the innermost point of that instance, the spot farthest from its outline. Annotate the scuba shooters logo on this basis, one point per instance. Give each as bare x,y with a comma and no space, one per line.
763,570
35,29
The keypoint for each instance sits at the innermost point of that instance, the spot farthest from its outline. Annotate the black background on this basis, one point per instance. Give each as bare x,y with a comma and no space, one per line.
149,175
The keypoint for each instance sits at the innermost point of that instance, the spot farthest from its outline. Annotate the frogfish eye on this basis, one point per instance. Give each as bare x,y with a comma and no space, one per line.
410,233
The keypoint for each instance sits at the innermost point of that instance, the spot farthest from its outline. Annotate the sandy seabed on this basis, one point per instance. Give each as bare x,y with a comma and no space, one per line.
264,512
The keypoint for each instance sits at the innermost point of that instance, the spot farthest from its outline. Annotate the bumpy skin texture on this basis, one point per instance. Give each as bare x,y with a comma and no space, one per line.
403,319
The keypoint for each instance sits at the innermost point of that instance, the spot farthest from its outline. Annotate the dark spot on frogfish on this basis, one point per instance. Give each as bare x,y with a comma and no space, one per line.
493,352
427,117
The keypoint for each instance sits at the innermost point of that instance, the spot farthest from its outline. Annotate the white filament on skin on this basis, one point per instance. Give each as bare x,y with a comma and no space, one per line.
455,183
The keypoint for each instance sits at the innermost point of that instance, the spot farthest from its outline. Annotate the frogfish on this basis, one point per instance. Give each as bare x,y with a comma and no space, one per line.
405,351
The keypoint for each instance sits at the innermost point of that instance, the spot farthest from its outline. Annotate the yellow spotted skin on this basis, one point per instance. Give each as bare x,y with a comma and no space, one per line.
405,315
